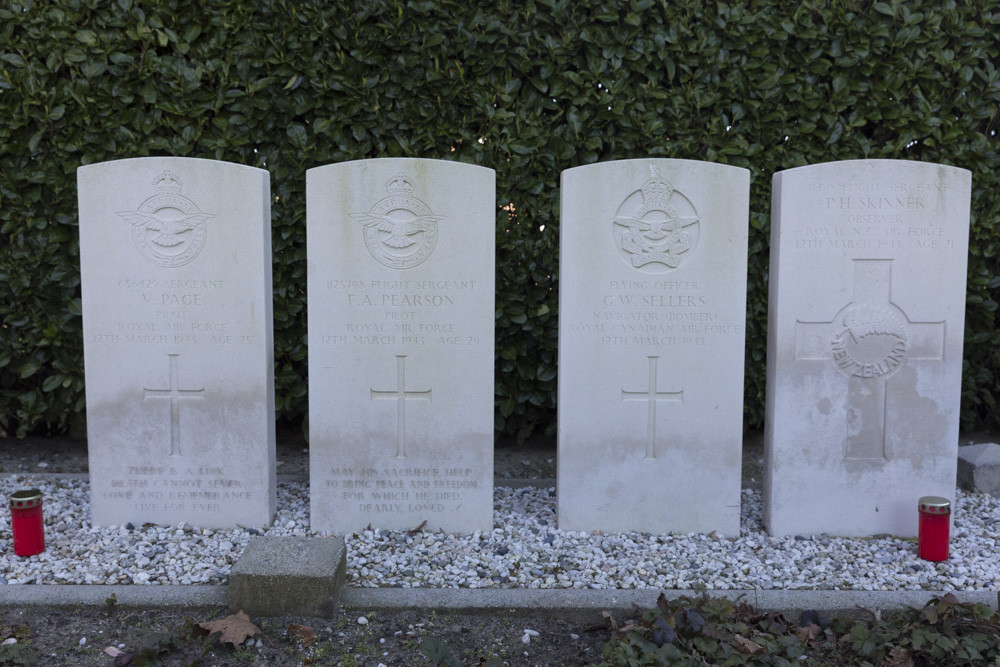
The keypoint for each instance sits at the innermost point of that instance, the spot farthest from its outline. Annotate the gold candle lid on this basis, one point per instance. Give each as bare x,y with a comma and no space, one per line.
25,499
935,505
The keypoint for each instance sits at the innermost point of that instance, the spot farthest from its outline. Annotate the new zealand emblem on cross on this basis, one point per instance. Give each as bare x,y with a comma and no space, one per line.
400,230
868,341
656,228
168,229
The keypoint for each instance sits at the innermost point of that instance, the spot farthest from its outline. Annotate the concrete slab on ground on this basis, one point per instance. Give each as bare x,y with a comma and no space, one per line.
289,575
979,468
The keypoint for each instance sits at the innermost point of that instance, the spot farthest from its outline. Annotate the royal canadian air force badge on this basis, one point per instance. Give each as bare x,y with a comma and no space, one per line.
168,229
656,228
400,230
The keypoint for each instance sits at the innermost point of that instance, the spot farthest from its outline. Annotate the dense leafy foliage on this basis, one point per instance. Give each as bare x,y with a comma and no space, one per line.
695,631
528,88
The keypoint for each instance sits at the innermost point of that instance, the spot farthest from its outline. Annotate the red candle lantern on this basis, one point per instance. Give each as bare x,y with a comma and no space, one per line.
26,522
932,536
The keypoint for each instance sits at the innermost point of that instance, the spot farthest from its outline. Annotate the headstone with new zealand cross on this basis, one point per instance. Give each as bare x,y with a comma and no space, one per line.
865,325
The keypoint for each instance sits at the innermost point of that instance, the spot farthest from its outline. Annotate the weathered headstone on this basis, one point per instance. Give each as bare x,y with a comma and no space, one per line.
652,312
864,365
401,311
175,258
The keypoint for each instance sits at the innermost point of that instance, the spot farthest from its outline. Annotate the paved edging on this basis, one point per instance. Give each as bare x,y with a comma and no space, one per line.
517,601
481,600
90,595
541,601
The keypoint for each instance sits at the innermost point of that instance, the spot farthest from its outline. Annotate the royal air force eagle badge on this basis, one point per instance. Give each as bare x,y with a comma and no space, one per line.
400,230
656,228
168,229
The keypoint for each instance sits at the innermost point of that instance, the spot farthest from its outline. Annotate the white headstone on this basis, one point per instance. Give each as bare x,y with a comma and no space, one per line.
652,313
175,257
401,312
864,354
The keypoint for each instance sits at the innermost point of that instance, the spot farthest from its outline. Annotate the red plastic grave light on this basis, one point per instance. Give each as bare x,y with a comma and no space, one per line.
26,522
932,535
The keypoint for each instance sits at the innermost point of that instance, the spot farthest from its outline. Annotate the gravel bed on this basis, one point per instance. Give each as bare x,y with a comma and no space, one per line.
524,550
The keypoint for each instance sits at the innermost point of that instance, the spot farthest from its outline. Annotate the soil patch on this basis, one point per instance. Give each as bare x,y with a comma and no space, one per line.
79,636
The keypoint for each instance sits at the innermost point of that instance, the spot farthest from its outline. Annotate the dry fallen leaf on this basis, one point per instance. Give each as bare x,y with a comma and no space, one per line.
123,660
609,619
235,628
899,657
950,598
744,645
808,632
303,632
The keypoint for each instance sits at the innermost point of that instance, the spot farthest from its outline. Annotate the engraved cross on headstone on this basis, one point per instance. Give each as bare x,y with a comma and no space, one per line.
400,395
651,396
867,379
175,394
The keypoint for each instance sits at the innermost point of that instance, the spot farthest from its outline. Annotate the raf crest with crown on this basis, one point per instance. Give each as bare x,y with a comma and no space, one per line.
400,230
168,229
649,231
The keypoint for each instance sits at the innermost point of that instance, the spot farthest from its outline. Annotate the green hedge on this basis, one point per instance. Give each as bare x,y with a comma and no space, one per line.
528,88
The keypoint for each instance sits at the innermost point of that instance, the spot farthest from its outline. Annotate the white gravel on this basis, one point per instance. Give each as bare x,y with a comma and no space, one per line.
524,550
